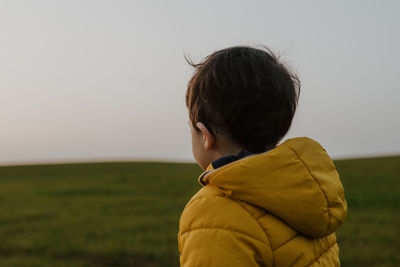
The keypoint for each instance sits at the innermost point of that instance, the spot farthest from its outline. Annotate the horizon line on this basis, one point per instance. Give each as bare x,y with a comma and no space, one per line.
154,160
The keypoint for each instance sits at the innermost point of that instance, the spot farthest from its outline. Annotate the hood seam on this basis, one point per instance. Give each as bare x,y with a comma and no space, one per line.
319,185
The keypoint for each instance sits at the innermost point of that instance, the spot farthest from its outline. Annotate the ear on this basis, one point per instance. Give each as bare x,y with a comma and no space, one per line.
208,137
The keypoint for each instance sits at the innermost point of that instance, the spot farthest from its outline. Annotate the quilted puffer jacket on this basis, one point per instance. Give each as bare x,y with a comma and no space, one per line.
278,208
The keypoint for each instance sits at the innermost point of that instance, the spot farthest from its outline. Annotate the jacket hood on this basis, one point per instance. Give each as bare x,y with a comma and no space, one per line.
296,182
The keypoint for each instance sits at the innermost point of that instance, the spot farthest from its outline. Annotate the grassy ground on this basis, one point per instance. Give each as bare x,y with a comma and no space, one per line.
126,214
371,234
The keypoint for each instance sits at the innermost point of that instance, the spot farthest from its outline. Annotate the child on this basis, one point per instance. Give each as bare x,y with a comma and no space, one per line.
261,204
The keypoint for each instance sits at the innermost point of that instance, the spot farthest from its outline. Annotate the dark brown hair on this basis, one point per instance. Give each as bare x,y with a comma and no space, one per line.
244,93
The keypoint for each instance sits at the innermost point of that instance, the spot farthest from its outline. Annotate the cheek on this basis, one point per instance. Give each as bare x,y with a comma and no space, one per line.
195,144
197,148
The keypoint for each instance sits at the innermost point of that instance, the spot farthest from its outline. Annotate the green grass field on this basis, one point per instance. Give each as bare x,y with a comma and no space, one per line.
126,214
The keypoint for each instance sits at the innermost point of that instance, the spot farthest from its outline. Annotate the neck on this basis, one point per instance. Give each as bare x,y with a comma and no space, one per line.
226,149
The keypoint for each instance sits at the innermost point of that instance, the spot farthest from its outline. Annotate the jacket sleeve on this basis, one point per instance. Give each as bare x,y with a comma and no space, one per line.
216,231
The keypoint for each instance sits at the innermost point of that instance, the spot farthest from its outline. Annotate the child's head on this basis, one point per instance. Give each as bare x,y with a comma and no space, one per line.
244,95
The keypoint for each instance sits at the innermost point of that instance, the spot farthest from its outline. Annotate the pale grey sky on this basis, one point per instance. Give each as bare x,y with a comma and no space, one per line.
105,80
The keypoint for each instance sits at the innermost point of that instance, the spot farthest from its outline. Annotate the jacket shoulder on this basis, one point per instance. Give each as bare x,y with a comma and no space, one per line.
210,208
217,231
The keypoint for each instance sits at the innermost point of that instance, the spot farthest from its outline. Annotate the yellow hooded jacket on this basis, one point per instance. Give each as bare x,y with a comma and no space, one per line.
278,208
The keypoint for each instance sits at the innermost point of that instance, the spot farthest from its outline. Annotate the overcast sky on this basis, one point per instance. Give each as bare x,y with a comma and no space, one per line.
106,80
